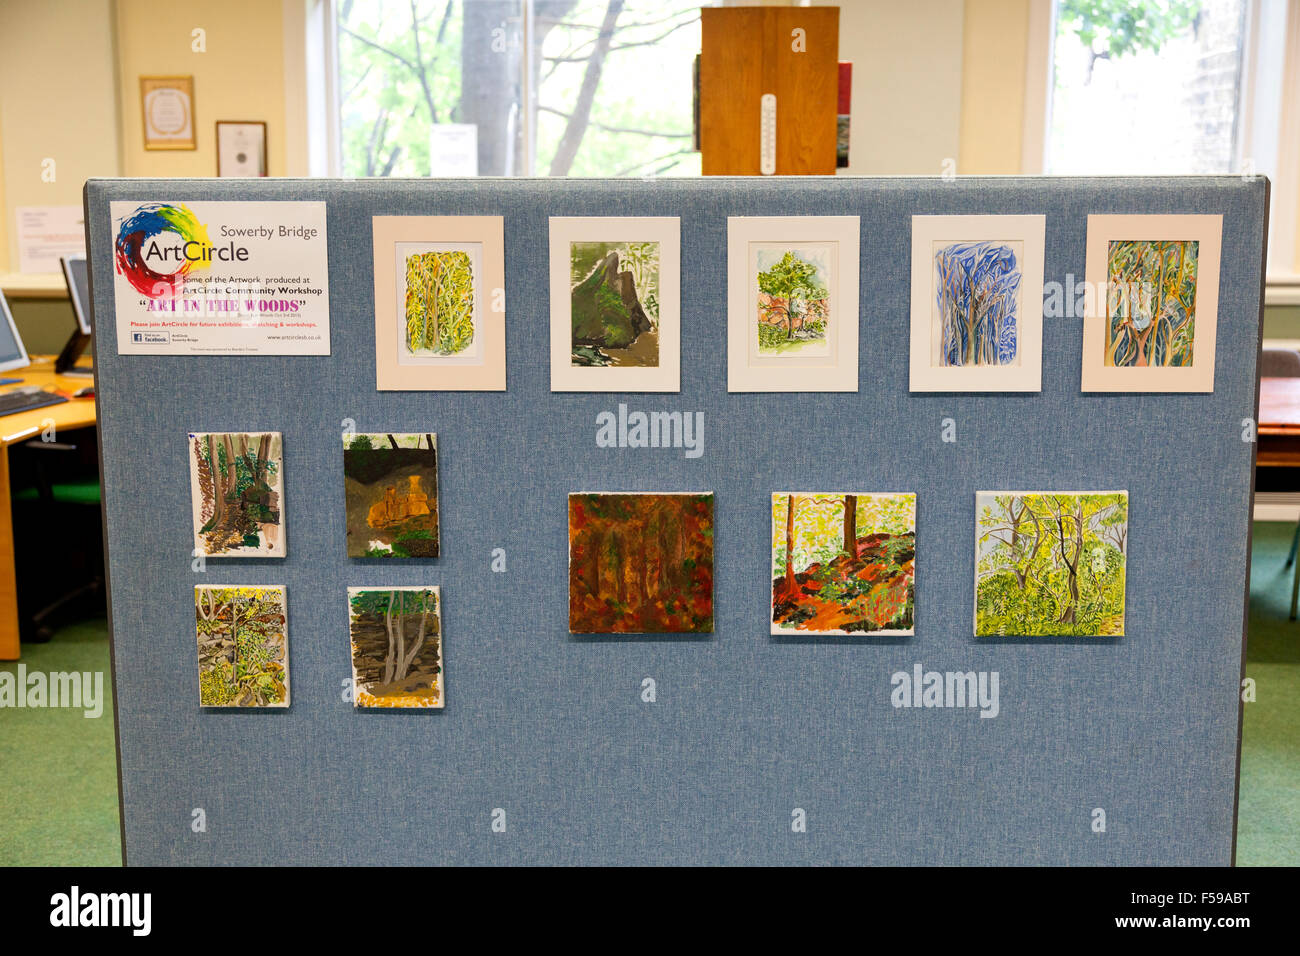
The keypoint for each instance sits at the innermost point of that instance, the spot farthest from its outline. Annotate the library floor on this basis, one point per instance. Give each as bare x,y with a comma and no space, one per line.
58,789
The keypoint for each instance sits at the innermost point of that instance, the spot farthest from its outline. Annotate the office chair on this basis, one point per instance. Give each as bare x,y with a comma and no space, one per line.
1285,363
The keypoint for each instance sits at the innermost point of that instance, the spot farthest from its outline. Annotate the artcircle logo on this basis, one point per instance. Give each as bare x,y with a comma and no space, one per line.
143,251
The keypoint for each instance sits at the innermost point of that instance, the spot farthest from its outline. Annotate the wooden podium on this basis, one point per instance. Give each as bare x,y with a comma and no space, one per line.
747,53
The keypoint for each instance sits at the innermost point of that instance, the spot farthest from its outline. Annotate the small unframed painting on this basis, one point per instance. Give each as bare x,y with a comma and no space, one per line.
243,646
396,646
1050,564
236,485
640,563
843,563
390,483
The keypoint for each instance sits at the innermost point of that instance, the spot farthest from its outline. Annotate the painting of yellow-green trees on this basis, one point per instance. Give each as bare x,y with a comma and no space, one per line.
1050,564
243,646
1151,303
843,563
439,306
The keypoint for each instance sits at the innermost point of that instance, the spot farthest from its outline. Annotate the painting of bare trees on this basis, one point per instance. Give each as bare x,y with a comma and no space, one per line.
396,647
236,482
640,563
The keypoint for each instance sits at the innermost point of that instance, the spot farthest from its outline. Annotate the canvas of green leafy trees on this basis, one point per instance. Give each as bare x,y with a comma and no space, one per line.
243,646
1050,564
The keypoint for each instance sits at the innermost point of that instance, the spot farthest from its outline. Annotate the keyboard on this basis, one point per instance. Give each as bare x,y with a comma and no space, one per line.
11,403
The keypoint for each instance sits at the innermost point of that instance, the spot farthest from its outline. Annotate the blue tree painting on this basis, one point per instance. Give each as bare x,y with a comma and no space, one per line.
977,284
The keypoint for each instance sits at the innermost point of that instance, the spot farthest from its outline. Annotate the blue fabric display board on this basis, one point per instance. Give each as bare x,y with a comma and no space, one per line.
547,735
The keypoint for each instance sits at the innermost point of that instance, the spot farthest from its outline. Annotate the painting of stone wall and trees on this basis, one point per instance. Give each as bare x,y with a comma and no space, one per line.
391,491
396,647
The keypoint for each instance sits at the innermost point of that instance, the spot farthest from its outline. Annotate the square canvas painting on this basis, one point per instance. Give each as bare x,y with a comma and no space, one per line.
236,494
615,304
792,304
843,563
440,314
396,635
1151,315
390,484
1050,564
977,303
243,646
640,563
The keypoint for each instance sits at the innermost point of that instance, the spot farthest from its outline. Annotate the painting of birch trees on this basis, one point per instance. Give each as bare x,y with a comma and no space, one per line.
396,647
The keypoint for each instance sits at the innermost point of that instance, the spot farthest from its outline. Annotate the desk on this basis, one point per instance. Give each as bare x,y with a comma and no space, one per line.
1279,423
77,413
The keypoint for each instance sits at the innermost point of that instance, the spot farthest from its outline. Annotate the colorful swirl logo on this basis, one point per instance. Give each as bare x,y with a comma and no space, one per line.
138,232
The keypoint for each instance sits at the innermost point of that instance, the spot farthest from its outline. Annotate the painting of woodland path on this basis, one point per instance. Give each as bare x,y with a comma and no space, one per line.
1150,303
640,563
390,484
977,287
843,563
1050,564
236,490
243,646
439,303
793,301
615,303
396,647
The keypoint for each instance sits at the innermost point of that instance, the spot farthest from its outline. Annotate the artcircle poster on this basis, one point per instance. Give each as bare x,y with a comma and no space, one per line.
220,278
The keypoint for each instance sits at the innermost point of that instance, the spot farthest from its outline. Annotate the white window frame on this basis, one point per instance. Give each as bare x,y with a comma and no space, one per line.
1269,144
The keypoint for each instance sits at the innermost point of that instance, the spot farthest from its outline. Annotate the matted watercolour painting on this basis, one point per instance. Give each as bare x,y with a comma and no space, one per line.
396,638
1152,318
1050,563
792,304
439,303
390,485
843,563
237,494
615,304
640,563
243,645
977,303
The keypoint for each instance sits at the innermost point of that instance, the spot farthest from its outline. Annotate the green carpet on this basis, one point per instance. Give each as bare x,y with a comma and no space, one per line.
59,788
60,807
1268,817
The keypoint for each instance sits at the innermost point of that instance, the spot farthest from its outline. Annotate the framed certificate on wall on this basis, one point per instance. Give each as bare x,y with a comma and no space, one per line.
241,149
167,105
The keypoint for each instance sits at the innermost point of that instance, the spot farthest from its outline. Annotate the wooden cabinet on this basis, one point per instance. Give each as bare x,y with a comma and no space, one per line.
789,52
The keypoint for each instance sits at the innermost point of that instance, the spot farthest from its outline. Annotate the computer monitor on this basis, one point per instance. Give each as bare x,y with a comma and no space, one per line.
74,274
13,354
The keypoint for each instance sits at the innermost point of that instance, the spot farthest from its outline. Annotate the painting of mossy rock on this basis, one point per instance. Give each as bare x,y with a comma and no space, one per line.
396,646
236,486
243,641
439,304
391,486
615,303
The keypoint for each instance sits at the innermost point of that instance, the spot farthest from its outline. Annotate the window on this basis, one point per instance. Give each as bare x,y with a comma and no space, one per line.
1147,86
516,87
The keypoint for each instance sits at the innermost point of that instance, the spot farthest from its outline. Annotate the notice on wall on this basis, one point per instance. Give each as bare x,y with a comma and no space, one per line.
46,234
221,278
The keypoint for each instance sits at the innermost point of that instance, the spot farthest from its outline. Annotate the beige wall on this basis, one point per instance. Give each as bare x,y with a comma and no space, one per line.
907,73
239,77
57,101
994,50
